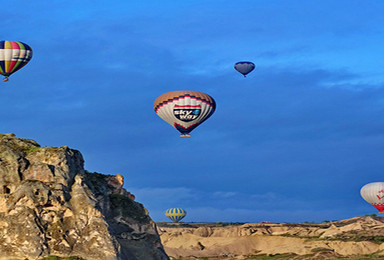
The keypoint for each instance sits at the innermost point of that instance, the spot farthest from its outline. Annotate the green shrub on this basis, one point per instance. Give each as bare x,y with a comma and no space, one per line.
31,150
320,249
54,257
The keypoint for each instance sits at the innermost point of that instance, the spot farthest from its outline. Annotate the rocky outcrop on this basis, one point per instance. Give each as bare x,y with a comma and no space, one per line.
357,237
49,205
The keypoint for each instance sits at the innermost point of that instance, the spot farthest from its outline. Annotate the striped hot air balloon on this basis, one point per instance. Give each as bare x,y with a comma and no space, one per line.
13,56
175,214
373,193
184,110
244,67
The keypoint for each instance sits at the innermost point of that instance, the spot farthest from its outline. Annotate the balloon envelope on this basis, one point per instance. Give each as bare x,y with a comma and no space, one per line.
185,109
175,214
373,193
13,56
244,67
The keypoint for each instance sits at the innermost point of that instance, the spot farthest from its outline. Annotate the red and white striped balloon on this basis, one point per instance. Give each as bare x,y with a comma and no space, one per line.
184,109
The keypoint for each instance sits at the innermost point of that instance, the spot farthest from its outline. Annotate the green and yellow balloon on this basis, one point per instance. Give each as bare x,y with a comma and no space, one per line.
175,214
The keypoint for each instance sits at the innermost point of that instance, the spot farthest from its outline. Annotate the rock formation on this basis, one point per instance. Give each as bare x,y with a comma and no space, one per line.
356,238
51,206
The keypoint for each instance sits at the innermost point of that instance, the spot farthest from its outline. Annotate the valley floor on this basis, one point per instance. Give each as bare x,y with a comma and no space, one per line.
356,238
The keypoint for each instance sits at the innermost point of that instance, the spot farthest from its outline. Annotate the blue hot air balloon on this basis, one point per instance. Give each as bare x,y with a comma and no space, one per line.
244,67
175,214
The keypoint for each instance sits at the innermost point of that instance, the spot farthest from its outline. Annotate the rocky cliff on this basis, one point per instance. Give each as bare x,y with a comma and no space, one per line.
51,206
357,238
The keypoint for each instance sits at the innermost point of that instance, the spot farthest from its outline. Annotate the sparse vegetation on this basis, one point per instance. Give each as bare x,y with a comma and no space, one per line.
97,181
321,249
358,238
128,208
95,177
180,224
290,256
196,225
53,257
373,234
272,256
28,151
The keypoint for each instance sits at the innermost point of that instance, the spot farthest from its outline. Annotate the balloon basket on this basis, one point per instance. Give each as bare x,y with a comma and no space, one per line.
185,135
6,79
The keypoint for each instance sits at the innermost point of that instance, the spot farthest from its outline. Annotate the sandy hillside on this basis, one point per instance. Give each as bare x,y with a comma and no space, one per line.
353,238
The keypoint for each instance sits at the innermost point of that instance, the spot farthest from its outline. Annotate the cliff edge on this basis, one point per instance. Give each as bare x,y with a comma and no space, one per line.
51,206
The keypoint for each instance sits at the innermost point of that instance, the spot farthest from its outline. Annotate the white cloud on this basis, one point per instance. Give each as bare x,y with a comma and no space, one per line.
222,194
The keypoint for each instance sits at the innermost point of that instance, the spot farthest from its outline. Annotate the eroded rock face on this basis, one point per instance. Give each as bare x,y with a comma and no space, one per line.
50,206
351,238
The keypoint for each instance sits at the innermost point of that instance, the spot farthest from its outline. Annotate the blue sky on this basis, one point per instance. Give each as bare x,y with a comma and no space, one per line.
294,141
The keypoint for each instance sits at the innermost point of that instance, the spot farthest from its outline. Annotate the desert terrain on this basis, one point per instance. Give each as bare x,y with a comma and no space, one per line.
355,238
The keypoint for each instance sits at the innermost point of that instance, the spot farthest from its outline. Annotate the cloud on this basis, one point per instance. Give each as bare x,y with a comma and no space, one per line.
221,194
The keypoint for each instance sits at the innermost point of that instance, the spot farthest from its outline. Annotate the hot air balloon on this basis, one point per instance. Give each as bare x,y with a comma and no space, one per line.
184,110
244,67
175,214
13,56
373,193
